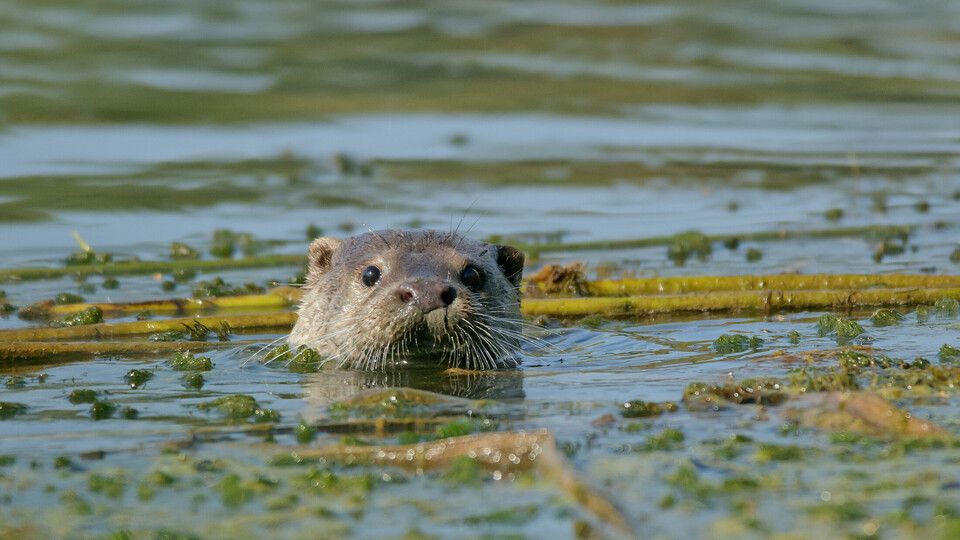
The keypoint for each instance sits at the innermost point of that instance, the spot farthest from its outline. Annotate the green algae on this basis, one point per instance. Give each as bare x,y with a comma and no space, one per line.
667,440
240,407
843,328
90,315
187,361
683,246
778,452
947,307
686,479
236,491
153,482
168,335
457,428
509,516
193,381
838,511
82,395
217,287
67,298
834,214
102,410
136,378
303,360
5,306
464,471
9,409
753,255
110,485
179,251
949,354
735,343
76,503
110,283
643,409
856,361
822,380
793,337
763,391
86,257
886,317
304,433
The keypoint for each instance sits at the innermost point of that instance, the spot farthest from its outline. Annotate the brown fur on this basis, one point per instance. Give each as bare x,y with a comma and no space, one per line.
371,327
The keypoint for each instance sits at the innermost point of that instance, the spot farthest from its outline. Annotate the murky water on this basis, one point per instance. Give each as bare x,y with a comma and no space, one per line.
137,124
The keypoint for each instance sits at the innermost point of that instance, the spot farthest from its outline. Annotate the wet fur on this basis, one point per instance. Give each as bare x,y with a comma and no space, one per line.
368,328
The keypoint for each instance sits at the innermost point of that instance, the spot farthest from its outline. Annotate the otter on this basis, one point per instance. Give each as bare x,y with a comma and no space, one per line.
390,298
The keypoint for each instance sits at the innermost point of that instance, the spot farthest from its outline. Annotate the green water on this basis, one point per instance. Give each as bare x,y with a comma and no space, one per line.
138,124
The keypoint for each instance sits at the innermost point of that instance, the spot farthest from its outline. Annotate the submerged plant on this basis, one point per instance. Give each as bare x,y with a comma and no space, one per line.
689,244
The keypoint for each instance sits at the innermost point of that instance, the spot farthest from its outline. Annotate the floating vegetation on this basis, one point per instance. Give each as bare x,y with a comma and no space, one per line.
302,360
668,440
843,328
136,378
187,361
761,391
643,409
689,244
734,343
152,267
947,307
949,354
82,395
886,317
240,407
5,306
67,298
193,381
834,214
89,315
218,287
102,410
9,409
180,251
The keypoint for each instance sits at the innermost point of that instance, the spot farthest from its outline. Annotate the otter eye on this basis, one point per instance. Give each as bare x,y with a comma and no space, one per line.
371,275
471,276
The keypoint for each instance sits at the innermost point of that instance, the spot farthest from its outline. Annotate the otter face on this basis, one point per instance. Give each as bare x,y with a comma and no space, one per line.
389,298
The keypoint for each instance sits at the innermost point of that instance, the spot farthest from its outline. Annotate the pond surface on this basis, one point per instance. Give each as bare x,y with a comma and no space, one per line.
139,124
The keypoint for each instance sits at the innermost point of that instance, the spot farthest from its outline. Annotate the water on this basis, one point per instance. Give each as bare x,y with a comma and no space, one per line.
137,125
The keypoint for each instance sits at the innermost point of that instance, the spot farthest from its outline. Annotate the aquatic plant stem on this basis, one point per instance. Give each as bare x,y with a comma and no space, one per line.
277,298
870,231
791,282
150,267
21,352
504,452
742,301
263,321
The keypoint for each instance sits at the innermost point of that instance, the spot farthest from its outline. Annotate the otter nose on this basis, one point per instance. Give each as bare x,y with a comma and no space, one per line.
428,295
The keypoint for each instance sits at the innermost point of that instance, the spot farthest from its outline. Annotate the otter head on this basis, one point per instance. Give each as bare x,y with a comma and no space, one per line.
391,297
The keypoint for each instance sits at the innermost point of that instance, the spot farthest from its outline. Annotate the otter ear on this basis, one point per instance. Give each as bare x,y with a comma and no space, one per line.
321,254
510,260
